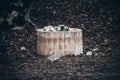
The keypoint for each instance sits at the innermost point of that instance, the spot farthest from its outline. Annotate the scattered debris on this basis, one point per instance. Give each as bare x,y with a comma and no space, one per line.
89,53
95,49
54,57
18,28
96,54
23,48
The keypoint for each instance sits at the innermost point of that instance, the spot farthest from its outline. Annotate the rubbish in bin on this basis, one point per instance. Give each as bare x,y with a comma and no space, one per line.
56,28
63,28
49,28
54,57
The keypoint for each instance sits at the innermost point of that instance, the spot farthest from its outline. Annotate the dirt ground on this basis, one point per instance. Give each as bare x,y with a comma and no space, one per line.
100,30
26,64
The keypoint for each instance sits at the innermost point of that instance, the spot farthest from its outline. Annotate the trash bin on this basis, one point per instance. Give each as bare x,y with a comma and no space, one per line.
60,42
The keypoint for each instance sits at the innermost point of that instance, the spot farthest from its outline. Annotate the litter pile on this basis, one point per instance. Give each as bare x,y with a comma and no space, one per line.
56,28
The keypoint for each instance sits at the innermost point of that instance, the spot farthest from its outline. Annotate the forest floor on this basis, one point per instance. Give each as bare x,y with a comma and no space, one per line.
99,21
16,63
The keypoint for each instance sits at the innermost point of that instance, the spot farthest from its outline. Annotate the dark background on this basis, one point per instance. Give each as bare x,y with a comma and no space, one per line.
99,20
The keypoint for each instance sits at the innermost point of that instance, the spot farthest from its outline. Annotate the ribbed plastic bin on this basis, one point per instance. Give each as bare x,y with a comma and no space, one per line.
60,42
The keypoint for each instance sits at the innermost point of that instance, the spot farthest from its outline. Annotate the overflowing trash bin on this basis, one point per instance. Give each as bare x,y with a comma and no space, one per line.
60,40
